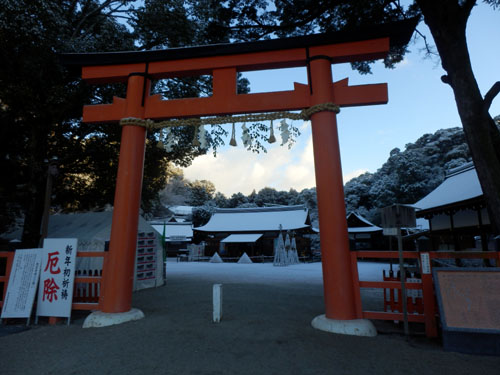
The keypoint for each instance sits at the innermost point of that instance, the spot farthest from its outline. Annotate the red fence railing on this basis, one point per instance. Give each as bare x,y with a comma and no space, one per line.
88,284
6,259
420,309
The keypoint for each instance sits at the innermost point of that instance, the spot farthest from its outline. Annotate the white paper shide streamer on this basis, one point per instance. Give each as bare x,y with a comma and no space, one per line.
245,137
285,132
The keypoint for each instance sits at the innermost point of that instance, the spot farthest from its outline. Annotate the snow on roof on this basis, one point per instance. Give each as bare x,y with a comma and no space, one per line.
460,185
361,219
358,224
181,210
257,219
241,238
364,229
87,225
175,230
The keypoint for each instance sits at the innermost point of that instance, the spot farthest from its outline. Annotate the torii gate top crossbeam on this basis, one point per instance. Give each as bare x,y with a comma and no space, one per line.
398,32
224,61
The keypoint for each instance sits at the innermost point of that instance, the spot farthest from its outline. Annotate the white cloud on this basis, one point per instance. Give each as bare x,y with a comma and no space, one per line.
354,174
305,126
238,170
405,62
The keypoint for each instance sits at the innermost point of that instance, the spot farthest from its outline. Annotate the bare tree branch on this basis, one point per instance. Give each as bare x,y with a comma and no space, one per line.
428,47
104,5
397,6
128,18
490,95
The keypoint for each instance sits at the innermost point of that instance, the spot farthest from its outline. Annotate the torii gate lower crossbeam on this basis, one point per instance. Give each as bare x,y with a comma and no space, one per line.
317,54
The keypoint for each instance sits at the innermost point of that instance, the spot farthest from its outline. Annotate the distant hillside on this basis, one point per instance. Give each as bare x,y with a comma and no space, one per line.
407,175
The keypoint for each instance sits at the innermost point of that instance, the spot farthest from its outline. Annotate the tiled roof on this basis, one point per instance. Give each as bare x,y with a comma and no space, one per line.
460,185
257,219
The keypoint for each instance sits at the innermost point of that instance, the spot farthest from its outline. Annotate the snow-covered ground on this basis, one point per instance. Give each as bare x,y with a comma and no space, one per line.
266,273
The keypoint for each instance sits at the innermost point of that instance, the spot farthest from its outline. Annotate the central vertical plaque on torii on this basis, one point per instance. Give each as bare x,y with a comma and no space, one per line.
223,62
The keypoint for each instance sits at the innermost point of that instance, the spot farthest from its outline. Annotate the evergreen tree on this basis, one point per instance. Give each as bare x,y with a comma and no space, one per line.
41,105
200,192
408,175
220,200
237,200
40,102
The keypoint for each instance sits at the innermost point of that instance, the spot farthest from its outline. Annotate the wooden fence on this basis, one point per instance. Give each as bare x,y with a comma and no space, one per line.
420,309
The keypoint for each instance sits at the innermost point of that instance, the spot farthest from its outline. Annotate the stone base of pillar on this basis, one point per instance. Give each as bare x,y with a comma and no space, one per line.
355,327
102,319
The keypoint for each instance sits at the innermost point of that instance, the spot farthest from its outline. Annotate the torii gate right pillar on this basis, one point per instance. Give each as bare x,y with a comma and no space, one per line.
340,308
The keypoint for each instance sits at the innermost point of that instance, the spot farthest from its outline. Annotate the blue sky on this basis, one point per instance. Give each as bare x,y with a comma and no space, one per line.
419,103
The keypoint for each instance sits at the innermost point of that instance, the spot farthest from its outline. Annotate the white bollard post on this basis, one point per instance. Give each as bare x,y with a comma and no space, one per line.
217,302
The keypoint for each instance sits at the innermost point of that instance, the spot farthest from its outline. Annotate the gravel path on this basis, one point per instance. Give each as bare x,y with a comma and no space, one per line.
265,330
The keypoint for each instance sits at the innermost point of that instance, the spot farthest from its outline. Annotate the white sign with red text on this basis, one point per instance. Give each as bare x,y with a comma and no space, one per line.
23,281
55,294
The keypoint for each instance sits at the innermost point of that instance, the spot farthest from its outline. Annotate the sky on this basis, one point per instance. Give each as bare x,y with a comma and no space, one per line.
419,103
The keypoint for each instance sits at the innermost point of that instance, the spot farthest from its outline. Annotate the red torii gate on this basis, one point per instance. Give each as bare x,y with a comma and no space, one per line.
223,62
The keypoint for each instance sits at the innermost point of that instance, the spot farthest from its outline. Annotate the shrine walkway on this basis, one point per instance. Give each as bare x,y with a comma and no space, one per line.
265,330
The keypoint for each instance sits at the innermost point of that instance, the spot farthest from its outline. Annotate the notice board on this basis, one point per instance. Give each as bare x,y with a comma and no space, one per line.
469,299
23,281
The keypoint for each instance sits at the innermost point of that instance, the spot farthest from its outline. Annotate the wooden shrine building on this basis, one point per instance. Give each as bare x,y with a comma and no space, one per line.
456,212
234,231
363,235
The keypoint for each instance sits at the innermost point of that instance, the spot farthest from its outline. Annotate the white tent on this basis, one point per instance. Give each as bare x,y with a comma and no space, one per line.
93,230
244,259
216,259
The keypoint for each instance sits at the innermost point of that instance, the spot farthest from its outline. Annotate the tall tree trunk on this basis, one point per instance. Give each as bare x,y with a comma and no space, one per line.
34,203
447,21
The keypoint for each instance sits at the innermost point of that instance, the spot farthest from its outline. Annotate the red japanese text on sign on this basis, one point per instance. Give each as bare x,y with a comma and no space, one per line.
52,260
50,289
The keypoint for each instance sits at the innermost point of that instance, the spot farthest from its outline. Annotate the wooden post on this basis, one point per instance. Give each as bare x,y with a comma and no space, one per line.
428,295
355,283
217,302
118,271
336,262
402,273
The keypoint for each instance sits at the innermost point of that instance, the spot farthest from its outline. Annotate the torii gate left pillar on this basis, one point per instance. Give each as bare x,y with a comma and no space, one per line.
342,313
